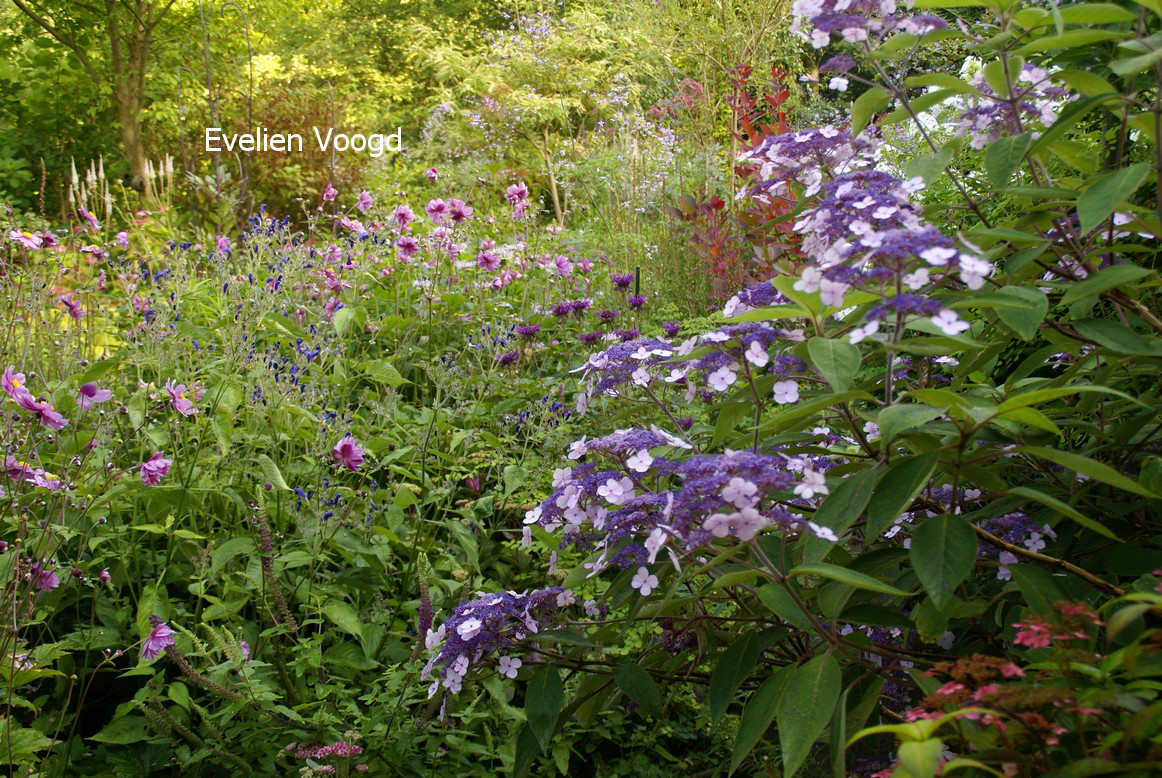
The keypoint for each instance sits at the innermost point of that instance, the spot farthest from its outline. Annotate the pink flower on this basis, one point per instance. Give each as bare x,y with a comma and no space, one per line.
74,308
90,394
160,638
432,174
177,396
44,580
43,409
516,193
364,201
407,247
223,244
348,453
90,218
154,469
329,193
104,576
402,216
123,239
487,260
459,211
1032,634
30,240
437,211
12,382
564,266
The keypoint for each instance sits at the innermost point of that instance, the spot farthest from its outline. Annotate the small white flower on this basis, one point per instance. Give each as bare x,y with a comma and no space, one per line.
859,334
838,83
1005,559
812,484
916,279
569,497
435,637
740,493
721,379
654,543
533,516
809,279
640,462
508,666
469,628
733,307
616,491
743,524
644,581
786,392
676,374
561,476
757,355
716,337
823,532
591,609
578,449
640,354
937,255
871,430
949,323
526,537
641,377
946,640
565,598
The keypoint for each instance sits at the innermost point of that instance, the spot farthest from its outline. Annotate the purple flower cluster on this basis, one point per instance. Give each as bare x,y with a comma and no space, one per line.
489,624
808,157
1035,104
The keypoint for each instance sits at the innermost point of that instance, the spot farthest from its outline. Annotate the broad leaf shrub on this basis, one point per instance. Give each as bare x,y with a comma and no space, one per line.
925,489
435,490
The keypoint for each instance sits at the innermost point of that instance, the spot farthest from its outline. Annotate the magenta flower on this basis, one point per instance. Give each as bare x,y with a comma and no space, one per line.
90,394
74,308
459,211
30,240
160,638
12,382
154,469
407,247
90,218
104,576
432,174
487,260
177,395
123,239
43,409
516,193
44,580
223,244
437,211
402,216
329,193
364,201
48,240
348,453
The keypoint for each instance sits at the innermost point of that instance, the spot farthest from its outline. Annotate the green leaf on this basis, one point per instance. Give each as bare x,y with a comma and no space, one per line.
1130,65
758,715
1101,198
942,553
847,576
1115,337
544,699
1070,40
1095,470
836,360
342,319
1039,588
1027,312
805,707
921,758
637,684
1095,13
733,667
1003,157
344,616
1063,508
383,372
1089,84
121,731
272,473
895,491
514,477
780,602
1113,276
873,100
902,417
839,510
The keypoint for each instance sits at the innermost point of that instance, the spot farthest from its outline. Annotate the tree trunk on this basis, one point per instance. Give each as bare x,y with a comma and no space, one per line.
129,85
548,157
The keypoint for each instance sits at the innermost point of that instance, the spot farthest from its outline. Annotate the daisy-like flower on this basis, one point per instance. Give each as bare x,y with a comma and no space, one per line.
644,581
89,394
786,392
30,240
812,484
348,453
437,211
508,666
160,638
44,580
178,399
